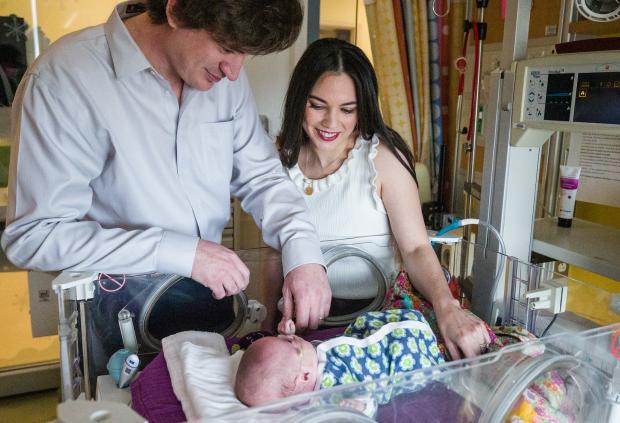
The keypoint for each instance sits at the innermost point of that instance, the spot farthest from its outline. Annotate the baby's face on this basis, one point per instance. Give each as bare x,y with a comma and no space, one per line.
300,356
276,367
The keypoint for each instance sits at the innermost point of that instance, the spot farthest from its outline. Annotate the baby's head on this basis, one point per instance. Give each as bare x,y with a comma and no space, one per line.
276,367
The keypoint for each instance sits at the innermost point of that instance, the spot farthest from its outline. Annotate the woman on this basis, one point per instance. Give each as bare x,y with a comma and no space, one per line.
357,175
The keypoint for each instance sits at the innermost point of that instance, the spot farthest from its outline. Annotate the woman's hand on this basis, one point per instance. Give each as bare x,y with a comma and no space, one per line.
463,334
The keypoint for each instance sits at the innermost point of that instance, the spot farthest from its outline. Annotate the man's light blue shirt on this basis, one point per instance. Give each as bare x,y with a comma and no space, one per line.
110,173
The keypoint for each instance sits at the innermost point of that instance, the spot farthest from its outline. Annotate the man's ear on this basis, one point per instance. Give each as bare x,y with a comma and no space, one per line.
172,21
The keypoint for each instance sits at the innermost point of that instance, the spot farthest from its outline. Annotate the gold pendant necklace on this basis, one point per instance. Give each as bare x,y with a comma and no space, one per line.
308,190
308,184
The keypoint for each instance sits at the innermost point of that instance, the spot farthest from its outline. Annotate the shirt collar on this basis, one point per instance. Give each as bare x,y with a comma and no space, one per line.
126,55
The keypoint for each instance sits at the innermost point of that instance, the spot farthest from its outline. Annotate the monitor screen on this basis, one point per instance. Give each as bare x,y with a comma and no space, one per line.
597,99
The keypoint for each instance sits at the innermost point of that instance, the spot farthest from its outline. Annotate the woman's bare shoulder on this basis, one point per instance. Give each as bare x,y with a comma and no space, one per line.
386,159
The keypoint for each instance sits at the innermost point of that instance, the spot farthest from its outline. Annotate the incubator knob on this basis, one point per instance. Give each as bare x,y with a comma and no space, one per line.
256,311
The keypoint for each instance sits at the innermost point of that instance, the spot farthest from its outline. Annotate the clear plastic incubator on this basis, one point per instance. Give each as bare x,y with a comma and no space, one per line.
561,378
572,374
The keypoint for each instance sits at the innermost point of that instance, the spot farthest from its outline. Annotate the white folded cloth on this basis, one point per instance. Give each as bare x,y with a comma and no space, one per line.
202,373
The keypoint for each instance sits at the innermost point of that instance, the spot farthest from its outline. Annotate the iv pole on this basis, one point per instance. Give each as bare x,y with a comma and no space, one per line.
479,29
461,63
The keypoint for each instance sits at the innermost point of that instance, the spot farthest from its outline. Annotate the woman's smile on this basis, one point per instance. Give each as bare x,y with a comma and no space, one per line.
326,135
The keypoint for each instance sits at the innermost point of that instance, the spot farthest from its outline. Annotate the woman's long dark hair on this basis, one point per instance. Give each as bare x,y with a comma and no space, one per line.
334,55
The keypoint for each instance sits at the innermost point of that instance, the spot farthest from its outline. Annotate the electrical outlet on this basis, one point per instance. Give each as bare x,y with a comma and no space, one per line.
256,312
562,268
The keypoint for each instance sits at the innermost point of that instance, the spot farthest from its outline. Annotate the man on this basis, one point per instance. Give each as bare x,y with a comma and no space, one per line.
130,137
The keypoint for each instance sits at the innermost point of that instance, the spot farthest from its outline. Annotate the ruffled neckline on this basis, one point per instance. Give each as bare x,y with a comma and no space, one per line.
323,184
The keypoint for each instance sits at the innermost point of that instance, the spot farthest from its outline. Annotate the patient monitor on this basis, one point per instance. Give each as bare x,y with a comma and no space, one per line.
577,92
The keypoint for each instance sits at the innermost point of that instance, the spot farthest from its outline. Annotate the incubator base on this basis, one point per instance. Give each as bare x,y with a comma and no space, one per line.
80,411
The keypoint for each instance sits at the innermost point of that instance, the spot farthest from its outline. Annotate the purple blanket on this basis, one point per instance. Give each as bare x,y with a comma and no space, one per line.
434,403
152,395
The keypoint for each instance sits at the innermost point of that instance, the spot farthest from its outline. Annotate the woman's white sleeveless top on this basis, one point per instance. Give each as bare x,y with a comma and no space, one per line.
346,209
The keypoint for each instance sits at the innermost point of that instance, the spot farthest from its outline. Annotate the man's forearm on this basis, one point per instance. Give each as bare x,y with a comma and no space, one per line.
87,246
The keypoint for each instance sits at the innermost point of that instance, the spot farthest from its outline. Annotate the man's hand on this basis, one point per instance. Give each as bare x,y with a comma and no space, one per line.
463,334
286,327
219,269
307,293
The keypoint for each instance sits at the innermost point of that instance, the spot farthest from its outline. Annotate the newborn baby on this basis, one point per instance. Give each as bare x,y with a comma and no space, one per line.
376,345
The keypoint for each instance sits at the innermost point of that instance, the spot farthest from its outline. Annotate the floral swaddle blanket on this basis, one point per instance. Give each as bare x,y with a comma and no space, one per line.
376,345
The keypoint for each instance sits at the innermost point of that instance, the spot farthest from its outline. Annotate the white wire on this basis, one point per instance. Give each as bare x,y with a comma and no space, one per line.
500,269
502,247
445,13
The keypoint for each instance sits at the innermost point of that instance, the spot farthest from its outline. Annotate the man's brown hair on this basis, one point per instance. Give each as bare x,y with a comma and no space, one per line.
245,26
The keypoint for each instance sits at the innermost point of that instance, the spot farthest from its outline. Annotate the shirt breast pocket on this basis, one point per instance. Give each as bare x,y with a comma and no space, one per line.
216,151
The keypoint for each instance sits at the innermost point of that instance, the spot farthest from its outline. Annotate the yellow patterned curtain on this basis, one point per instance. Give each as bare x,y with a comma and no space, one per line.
389,67
394,64
420,28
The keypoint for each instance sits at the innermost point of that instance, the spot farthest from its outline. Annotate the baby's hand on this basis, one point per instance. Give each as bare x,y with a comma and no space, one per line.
354,404
286,328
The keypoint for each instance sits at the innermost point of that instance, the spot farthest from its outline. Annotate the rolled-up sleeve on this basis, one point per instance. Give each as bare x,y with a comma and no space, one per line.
266,192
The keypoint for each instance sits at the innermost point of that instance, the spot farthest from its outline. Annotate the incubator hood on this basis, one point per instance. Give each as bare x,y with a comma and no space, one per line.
572,377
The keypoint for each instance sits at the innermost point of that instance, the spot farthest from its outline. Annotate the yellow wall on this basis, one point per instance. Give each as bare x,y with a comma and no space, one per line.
598,213
349,15
604,215
338,13
18,347
59,17
20,8
586,300
363,34
589,302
